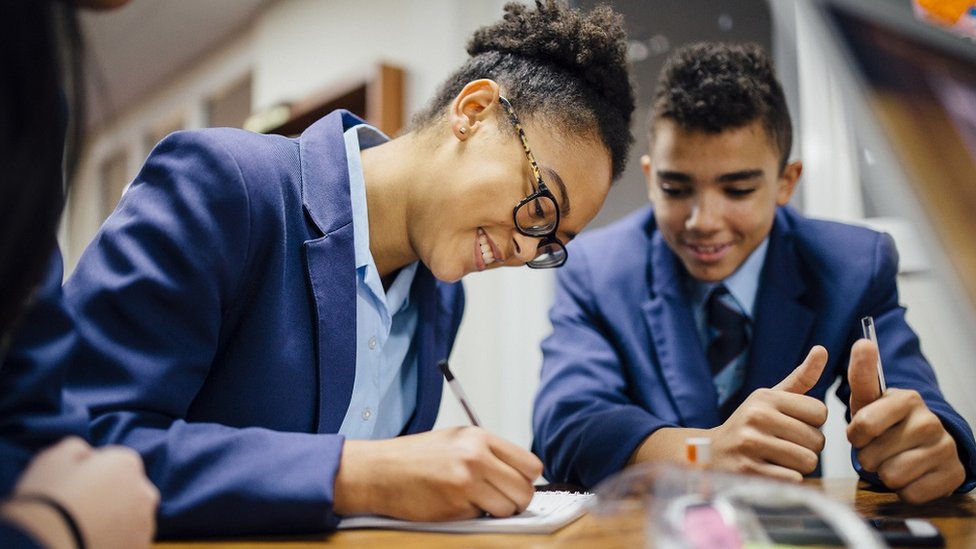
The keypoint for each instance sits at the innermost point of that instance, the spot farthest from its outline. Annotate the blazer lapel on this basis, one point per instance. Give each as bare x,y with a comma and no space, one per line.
431,329
671,325
331,263
783,321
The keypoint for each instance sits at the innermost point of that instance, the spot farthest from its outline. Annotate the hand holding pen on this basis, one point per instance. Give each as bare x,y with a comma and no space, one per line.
446,474
893,432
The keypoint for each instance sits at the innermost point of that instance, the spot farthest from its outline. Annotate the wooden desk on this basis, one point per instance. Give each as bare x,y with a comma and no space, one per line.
955,517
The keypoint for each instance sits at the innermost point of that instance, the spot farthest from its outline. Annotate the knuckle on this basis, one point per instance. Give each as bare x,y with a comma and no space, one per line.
74,446
891,478
125,457
947,445
523,500
536,469
912,494
746,467
749,442
867,461
459,477
808,463
930,427
821,414
867,430
912,396
820,442
758,415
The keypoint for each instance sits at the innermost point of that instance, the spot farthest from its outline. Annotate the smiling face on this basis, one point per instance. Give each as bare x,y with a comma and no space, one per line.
715,195
472,227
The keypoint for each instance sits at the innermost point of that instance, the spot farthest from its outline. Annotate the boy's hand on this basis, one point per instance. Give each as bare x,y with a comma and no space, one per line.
897,436
776,432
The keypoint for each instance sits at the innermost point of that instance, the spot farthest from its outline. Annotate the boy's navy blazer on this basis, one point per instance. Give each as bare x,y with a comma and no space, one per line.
624,358
217,319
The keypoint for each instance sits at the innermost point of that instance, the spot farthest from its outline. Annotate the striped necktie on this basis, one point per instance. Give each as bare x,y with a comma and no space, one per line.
730,340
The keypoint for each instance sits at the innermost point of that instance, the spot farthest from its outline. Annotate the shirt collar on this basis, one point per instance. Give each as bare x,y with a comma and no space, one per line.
357,139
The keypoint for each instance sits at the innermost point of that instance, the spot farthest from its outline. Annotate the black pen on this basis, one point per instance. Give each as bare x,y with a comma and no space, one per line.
459,393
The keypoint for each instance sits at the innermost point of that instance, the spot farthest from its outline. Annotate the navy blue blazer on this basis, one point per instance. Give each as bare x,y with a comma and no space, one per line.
33,411
217,321
624,358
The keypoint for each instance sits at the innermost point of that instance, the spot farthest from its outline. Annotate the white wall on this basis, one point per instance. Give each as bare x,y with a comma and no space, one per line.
303,45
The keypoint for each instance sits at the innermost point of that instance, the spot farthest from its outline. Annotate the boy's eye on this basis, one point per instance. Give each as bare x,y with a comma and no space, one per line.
739,192
674,191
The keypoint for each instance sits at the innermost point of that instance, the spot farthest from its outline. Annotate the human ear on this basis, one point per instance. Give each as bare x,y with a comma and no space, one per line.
646,168
787,182
472,106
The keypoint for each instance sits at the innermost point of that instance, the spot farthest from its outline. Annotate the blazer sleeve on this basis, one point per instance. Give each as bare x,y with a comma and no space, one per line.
585,424
12,537
33,411
905,365
150,293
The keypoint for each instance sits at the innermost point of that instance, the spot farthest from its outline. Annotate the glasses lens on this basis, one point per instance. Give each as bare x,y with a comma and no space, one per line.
549,255
537,217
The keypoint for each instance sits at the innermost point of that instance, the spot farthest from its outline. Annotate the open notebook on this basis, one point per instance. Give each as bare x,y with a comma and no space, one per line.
548,512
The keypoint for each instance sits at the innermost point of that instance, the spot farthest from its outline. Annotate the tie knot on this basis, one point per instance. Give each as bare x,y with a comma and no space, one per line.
721,309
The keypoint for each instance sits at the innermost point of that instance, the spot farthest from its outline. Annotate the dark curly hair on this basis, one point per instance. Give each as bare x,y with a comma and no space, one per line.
555,62
40,60
713,87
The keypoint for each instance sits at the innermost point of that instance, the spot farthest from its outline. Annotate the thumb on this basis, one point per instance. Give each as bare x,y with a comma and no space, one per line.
862,375
807,374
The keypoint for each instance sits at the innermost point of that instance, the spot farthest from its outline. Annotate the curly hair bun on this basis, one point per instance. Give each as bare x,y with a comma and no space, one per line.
569,67
591,45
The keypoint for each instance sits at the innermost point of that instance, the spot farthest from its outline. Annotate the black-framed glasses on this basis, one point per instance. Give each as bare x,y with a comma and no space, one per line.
537,215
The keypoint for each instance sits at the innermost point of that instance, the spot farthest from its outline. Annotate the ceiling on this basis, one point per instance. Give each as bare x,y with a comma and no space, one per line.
133,49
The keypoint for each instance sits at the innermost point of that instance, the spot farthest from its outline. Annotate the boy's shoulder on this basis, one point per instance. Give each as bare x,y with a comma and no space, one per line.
827,236
835,250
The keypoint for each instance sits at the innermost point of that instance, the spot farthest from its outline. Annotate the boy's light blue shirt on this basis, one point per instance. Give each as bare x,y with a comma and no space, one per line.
384,393
743,285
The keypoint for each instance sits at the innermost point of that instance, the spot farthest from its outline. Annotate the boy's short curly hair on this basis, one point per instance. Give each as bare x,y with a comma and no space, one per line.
713,87
556,64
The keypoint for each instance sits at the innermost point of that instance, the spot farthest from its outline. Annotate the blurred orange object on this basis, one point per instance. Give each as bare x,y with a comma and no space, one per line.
946,12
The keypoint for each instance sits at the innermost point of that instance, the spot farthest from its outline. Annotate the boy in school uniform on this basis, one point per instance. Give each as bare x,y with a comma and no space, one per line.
690,316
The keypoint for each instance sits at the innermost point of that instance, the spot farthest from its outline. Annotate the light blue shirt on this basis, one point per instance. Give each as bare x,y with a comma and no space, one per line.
743,285
384,392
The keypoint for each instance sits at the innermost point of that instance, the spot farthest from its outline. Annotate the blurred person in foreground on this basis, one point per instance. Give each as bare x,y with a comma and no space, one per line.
57,490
